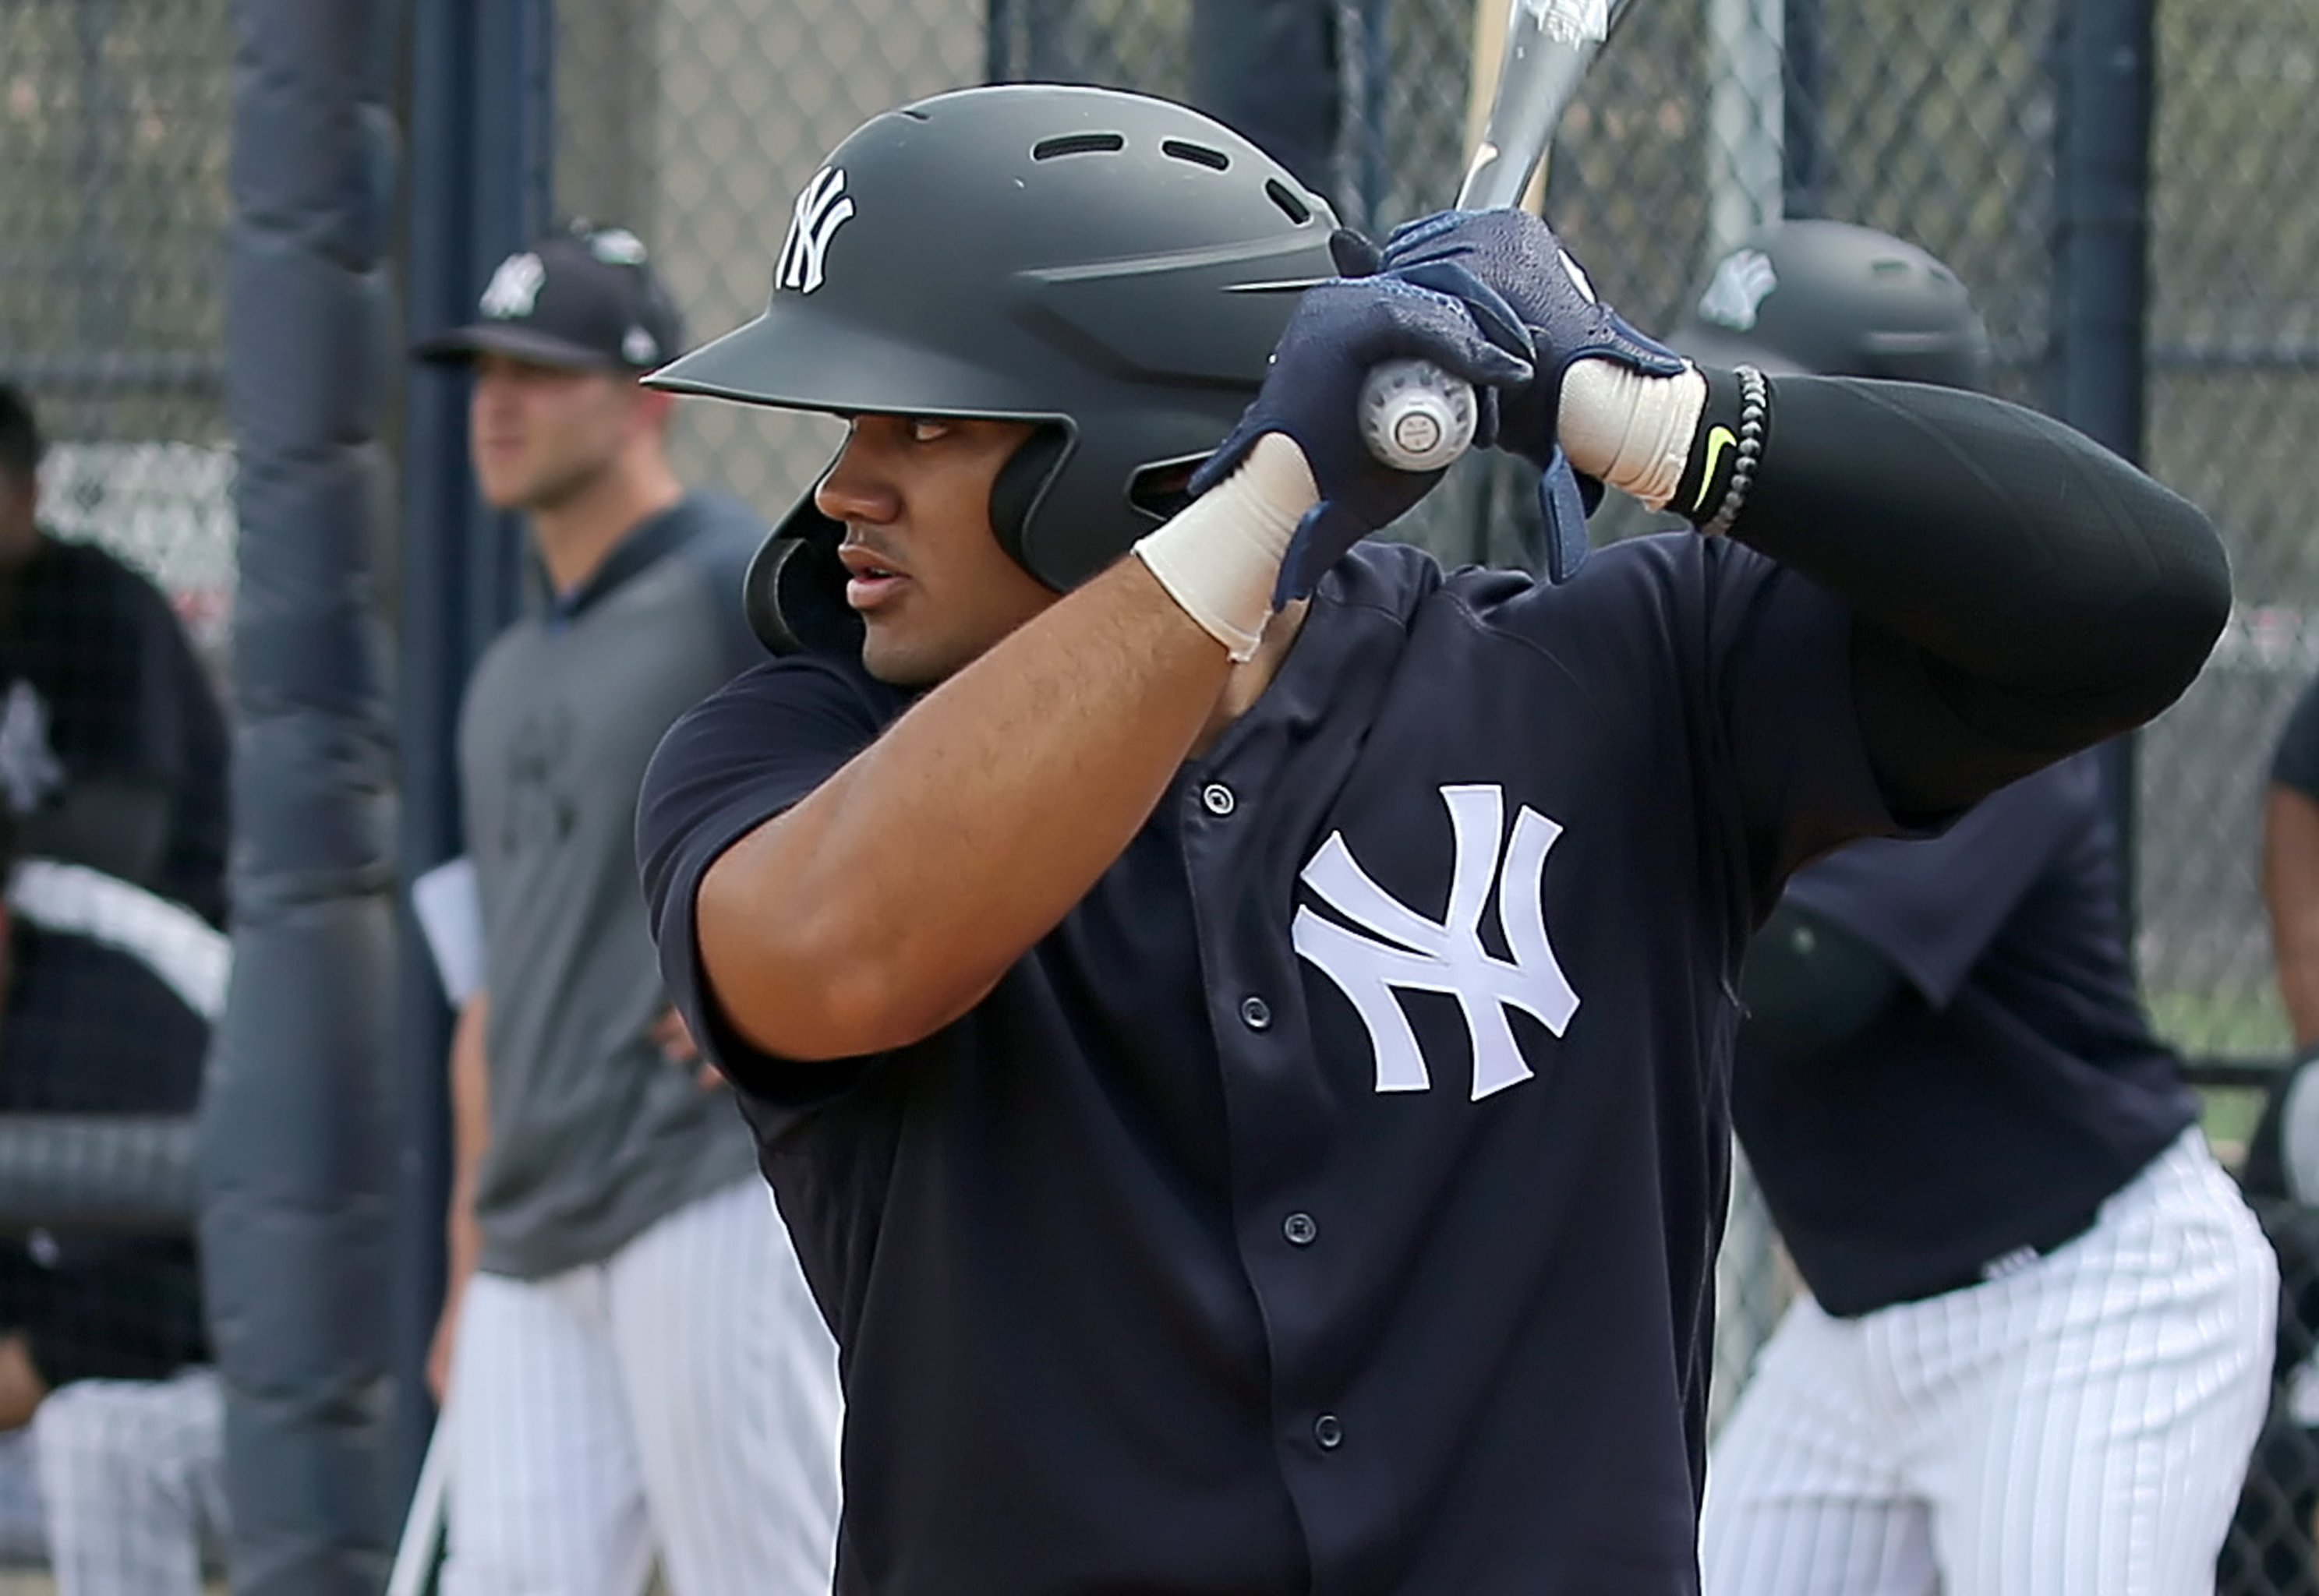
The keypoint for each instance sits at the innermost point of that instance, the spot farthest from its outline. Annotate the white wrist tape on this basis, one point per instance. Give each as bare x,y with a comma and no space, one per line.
1220,556
1631,430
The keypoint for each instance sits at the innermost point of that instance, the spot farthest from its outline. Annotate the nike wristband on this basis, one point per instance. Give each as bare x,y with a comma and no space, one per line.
1734,425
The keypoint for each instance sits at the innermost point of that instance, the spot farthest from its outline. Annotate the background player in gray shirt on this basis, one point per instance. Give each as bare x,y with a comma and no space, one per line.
637,1366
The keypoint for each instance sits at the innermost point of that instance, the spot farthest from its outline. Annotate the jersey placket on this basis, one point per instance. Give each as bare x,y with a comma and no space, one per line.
1334,1458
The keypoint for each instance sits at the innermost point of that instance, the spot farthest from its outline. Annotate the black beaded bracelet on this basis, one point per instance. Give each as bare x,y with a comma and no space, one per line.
1755,407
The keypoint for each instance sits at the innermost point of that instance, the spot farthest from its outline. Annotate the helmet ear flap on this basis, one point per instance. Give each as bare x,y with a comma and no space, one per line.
794,593
1021,483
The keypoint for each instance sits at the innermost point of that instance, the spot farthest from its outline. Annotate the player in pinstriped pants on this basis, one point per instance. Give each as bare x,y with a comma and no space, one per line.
2037,1345
635,1368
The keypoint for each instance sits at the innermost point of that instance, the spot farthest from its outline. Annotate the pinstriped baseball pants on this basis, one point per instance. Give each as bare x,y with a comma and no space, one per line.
679,1399
130,1498
2078,1427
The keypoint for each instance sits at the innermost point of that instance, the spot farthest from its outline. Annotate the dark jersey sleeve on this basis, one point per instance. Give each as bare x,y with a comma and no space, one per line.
747,753
193,868
1932,907
2296,762
1780,689
90,1030
139,731
126,718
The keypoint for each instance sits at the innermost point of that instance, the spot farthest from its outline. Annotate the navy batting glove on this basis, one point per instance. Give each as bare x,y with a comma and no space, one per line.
1516,258
1312,394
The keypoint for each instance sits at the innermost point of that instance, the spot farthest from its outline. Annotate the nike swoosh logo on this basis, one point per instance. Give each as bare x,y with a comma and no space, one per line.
1718,438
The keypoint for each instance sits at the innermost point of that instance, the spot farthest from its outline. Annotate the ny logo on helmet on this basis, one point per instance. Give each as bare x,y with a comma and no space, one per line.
1744,279
821,210
1413,953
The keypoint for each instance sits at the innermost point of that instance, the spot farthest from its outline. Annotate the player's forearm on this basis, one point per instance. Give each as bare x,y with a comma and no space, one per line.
892,899
2022,592
470,1132
2298,989
2290,894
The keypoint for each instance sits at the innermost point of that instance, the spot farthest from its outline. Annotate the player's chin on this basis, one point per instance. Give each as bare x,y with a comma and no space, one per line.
901,655
503,489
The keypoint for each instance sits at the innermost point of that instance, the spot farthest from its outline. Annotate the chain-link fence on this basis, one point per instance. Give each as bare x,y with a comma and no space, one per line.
697,120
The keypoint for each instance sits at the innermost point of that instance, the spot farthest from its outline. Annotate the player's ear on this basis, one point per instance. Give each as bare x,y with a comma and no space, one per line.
654,406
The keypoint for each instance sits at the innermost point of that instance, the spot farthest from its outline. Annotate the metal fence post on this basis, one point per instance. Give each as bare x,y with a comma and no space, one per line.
1804,142
480,152
2104,83
999,41
1268,68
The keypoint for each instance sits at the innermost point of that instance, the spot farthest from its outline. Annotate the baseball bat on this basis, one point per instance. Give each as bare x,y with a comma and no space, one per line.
1415,415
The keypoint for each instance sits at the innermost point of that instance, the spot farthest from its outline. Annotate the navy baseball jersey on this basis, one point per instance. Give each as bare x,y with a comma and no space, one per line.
1330,1201
98,681
2011,1086
91,1027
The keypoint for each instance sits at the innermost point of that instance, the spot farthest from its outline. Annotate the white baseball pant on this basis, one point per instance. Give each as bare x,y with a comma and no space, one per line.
677,1399
119,1485
2078,1428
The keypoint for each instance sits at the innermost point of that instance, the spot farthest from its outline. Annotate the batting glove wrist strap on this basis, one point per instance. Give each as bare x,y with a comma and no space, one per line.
1221,557
1726,450
1630,430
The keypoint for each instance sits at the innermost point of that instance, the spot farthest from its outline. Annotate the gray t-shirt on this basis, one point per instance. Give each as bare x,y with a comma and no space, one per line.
593,1134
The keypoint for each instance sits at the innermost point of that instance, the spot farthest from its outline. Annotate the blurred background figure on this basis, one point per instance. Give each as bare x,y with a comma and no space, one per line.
113,745
2277,1548
631,1363
2290,865
112,1434
2037,1341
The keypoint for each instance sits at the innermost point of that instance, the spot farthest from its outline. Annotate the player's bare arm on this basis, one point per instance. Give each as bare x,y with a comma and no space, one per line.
897,895
2290,893
470,1136
894,898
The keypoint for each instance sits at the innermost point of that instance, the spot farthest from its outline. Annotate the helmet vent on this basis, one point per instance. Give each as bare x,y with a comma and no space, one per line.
1047,149
1199,155
1294,209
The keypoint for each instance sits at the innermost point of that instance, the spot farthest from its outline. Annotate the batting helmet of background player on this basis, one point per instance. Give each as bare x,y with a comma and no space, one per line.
1111,268
1830,298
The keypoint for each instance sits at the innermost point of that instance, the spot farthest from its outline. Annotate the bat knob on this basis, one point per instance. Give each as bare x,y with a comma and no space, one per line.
1416,417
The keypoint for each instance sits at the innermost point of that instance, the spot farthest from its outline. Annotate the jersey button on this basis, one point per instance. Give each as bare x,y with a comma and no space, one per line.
1256,1014
1328,1432
1218,797
1299,1228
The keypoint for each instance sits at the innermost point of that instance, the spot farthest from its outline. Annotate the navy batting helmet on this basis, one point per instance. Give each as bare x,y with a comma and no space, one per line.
1837,299
1113,268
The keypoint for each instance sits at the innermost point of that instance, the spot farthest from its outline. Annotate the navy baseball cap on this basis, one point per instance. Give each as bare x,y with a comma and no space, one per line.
583,299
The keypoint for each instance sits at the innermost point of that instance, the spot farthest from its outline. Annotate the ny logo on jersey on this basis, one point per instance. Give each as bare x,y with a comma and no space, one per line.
821,210
1413,953
514,288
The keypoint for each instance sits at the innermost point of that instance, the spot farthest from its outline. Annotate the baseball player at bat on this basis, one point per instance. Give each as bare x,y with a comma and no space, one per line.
2037,1344
1236,1017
